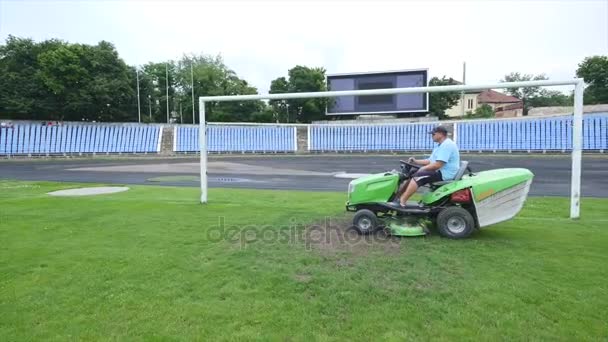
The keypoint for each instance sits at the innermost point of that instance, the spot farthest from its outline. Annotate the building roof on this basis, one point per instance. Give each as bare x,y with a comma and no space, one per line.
491,96
519,105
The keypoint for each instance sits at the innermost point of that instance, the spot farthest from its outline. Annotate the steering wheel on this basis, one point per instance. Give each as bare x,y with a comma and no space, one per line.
408,168
411,165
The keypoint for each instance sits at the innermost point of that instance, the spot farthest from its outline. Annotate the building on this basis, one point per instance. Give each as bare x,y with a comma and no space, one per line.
470,104
504,106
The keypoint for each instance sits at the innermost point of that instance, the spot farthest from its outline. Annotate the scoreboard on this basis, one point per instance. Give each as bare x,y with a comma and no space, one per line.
378,104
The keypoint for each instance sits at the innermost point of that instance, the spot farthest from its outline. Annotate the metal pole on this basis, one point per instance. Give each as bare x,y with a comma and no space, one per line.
388,91
577,154
167,82
202,139
150,108
138,99
464,76
192,83
181,118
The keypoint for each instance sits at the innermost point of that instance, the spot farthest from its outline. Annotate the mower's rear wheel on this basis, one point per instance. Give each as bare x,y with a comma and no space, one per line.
455,223
365,221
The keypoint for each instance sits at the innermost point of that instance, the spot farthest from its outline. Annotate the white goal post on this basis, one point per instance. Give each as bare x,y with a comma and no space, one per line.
577,127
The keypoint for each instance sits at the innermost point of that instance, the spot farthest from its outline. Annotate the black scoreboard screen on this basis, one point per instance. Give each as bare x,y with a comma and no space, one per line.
378,104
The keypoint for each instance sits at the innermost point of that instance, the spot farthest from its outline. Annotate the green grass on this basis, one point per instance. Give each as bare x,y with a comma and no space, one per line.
147,264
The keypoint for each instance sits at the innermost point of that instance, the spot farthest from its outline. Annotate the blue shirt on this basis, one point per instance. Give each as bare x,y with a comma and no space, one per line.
447,152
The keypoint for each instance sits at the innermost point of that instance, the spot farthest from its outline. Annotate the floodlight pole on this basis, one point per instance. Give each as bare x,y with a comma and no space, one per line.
138,99
577,153
202,140
192,83
464,81
167,79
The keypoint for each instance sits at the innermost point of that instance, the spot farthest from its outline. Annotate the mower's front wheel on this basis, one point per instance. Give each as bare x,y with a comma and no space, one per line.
365,221
455,223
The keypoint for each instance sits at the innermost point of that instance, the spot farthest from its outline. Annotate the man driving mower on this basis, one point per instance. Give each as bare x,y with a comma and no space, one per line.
441,166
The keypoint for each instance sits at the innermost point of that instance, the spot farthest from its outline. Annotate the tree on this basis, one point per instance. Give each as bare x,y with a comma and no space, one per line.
594,70
549,98
300,79
213,78
57,80
22,93
481,112
265,115
279,107
524,93
62,81
147,94
157,73
440,102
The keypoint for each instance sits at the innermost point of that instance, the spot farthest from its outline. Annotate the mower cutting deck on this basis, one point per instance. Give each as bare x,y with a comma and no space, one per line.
404,227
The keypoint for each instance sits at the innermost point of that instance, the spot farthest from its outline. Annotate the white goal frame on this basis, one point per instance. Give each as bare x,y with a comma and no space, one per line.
577,126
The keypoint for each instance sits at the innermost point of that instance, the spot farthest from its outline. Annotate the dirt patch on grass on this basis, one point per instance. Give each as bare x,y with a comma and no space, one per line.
336,235
332,237
302,278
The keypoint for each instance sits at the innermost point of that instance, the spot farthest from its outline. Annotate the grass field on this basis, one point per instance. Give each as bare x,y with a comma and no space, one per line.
152,263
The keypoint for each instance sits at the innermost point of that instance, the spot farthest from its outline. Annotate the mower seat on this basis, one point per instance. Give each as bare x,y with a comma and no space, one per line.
459,174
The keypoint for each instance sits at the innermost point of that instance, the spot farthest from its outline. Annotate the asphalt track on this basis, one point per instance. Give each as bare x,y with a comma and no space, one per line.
312,172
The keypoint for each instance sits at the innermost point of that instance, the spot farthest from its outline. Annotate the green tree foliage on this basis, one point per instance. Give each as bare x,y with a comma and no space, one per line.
150,111
300,79
279,107
265,115
56,80
211,77
22,92
524,93
440,102
482,112
594,70
154,78
550,98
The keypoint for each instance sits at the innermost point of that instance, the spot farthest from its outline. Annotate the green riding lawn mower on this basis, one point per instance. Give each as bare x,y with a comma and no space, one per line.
456,208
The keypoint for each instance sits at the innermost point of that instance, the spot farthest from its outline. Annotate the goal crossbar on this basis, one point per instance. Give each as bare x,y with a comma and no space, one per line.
577,126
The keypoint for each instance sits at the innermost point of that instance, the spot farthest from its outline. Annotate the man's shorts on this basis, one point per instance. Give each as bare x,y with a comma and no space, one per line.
424,177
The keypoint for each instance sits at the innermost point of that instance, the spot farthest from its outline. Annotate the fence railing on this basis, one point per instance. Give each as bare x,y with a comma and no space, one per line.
521,134
32,139
527,134
234,138
532,134
517,135
413,137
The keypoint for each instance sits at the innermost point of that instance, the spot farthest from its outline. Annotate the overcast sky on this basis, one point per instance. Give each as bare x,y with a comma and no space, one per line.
262,40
